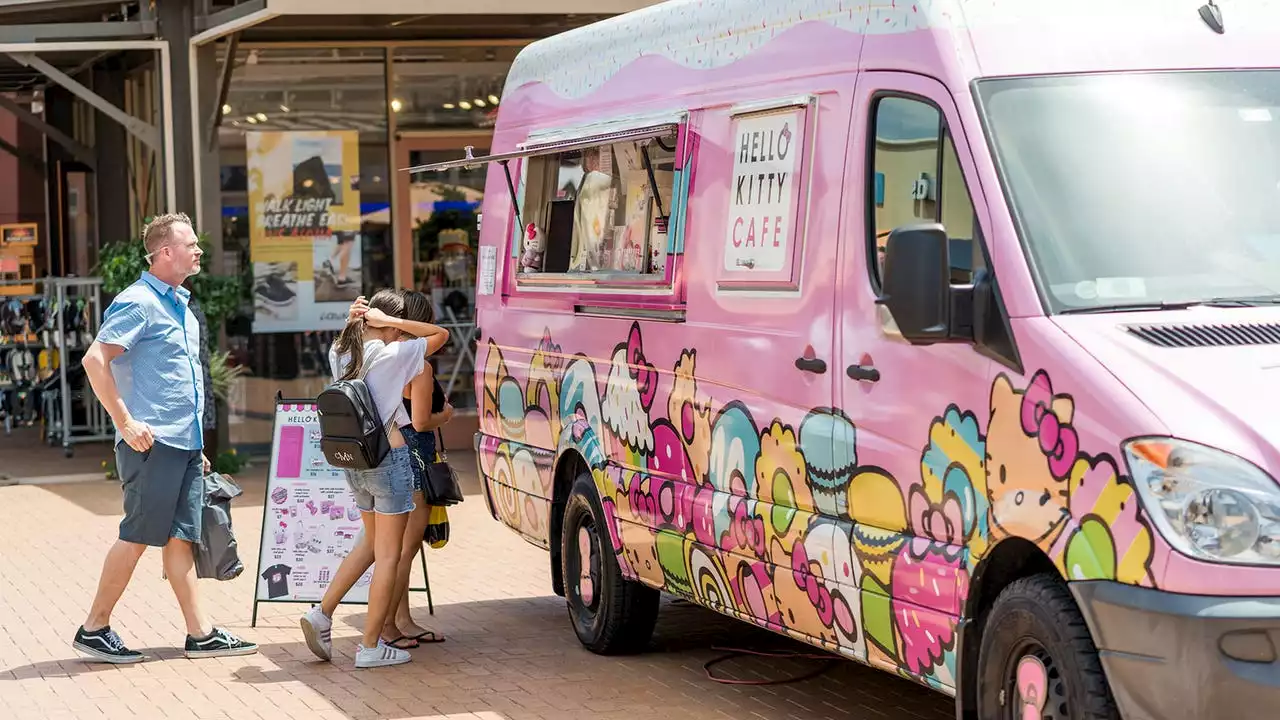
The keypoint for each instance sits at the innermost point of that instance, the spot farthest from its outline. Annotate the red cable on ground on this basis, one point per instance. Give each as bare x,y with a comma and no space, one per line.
738,652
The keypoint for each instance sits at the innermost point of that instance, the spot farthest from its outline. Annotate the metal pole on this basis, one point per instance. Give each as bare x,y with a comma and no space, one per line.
64,359
166,97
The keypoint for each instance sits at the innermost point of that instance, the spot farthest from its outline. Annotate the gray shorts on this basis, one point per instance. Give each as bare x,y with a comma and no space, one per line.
163,494
386,489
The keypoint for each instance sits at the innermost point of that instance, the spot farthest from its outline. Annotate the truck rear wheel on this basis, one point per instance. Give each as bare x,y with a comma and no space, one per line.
610,614
1037,659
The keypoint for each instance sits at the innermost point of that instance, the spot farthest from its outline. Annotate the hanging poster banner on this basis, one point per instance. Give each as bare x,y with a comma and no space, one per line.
304,232
310,521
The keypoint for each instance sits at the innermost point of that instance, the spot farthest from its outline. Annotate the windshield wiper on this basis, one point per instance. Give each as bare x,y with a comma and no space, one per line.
1260,300
1155,306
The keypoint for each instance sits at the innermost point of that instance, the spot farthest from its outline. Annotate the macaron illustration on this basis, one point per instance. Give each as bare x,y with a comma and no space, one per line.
828,440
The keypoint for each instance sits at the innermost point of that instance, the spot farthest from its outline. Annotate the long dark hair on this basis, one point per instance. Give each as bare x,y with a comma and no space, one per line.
418,307
351,340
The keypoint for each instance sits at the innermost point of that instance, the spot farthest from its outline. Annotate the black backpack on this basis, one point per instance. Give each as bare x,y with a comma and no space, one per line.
352,436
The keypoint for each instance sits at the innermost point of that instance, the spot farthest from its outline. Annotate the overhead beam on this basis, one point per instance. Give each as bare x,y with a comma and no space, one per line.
80,152
232,14
114,30
224,87
229,25
144,131
25,157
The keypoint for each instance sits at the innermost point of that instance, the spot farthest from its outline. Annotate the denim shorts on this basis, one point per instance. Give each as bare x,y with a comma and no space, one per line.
386,489
422,446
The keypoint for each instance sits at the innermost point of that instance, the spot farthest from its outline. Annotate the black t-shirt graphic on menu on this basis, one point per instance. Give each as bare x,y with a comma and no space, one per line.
277,577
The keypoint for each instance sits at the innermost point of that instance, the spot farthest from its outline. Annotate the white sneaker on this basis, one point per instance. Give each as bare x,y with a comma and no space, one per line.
380,656
317,628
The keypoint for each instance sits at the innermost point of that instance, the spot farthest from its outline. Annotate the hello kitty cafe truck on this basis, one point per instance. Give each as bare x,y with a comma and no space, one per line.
942,335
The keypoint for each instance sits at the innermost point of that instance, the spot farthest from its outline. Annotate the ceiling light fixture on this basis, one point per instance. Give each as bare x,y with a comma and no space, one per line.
464,105
396,105
251,120
449,106
493,99
226,109
262,117
284,108
479,102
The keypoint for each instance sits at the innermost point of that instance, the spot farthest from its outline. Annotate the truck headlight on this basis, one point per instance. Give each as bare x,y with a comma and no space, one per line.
1207,504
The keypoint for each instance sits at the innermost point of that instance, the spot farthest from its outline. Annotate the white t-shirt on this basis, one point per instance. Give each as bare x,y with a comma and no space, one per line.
388,368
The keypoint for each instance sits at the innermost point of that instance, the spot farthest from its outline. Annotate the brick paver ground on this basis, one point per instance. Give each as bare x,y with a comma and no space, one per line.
510,654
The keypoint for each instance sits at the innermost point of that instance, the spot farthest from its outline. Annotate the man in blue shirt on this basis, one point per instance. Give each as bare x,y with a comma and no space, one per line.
144,368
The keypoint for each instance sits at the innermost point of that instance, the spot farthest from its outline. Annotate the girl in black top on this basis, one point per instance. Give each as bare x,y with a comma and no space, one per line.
423,393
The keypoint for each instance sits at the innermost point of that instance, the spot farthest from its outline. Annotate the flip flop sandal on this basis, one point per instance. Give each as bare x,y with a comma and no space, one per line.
401,643
422,637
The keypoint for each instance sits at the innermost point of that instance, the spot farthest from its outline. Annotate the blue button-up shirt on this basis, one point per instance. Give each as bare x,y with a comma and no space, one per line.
159,375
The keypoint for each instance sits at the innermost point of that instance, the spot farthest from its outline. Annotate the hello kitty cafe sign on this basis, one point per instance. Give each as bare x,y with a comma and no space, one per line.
763,191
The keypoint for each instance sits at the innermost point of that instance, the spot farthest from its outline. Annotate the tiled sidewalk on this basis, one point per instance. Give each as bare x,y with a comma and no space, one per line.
510,652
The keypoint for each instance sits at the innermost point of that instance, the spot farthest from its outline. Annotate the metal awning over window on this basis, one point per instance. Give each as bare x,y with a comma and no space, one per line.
552,146
559,142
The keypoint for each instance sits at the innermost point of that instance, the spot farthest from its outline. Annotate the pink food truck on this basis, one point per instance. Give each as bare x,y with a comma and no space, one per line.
926,332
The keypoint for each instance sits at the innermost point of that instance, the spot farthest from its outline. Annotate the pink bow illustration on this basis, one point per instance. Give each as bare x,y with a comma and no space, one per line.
643,504
1058,441
818,594
645,375
747,531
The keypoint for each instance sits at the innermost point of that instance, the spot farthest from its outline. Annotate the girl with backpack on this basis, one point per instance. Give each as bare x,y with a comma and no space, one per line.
367,349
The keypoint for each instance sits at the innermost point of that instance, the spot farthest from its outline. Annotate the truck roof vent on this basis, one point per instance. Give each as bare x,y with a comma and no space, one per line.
1195,336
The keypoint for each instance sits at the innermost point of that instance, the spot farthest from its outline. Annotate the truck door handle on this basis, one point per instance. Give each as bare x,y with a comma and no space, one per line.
812,365
863,373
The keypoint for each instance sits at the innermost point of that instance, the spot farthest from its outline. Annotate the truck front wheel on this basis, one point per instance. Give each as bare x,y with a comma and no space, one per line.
1037,659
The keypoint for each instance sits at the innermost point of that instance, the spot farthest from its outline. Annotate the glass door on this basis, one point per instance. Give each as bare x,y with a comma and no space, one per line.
437,235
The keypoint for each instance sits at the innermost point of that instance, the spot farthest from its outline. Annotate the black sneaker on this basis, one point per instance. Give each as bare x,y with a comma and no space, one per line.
274,290
106,646
218,643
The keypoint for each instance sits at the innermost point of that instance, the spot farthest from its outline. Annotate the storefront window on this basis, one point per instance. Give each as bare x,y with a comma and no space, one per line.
306,193
449,87
444,100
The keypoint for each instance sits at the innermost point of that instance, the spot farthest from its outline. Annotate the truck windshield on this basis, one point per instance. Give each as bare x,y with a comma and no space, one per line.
1143,190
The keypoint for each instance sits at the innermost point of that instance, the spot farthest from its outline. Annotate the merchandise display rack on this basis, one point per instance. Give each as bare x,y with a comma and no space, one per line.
43,337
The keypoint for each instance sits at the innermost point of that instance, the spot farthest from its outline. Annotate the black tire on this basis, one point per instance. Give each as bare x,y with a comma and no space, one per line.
1036,621
614,616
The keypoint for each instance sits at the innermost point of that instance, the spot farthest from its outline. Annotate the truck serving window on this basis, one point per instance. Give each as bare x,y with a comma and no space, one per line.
603,210
594,208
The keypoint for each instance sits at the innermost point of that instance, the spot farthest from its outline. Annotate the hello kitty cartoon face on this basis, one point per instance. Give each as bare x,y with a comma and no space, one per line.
1031,448
532,239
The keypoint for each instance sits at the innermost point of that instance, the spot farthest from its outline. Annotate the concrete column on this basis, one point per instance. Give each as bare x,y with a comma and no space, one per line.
209,160
58,111
111,150
176,25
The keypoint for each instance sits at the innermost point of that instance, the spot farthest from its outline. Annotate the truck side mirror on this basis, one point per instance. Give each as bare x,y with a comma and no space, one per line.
916,283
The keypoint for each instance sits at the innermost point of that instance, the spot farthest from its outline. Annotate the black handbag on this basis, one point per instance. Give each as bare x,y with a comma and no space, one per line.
441,487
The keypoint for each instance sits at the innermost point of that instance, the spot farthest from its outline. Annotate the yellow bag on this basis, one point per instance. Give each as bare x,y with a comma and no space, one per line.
437,533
